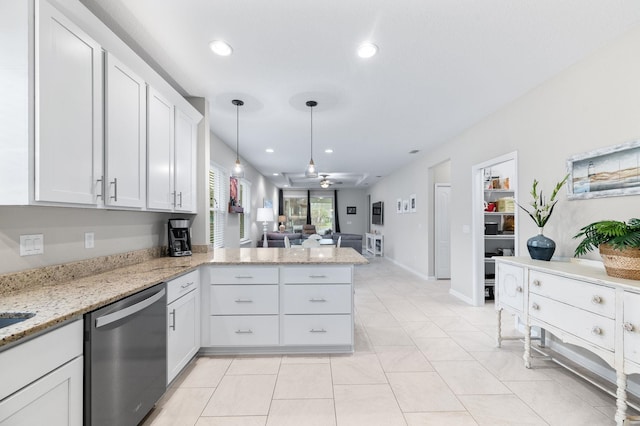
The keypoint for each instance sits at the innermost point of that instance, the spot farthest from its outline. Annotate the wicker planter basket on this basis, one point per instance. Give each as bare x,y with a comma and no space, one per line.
621,263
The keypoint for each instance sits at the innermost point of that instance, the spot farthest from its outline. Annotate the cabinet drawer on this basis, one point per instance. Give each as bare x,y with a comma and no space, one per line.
317,299
244,275
255,330
317,330
316,275
588,326
590,297
182,285
244,299
510,286
631,321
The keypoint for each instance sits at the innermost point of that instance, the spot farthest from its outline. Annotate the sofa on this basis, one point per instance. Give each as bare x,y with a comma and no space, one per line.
348,240
276,239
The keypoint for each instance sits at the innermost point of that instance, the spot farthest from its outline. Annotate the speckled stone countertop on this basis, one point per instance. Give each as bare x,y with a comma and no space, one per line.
66,300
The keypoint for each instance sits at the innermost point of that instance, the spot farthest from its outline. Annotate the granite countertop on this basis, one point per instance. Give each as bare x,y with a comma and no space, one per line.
56,303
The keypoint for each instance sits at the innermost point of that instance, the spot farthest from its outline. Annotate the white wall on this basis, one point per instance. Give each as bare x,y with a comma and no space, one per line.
353,223
592,104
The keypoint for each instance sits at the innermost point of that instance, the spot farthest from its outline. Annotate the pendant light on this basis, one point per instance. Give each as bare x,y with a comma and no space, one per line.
311,171
238,170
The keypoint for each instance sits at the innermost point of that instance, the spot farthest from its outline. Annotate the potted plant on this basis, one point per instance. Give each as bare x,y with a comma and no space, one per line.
619,245
539,246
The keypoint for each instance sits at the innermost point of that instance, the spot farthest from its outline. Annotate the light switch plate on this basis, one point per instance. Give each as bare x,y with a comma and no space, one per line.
89,238
31,244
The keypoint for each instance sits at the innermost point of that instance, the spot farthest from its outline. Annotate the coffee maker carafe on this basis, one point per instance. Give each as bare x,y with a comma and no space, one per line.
179,238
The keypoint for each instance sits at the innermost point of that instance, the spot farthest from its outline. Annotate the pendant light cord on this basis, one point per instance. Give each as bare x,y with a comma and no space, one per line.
311,133
237,132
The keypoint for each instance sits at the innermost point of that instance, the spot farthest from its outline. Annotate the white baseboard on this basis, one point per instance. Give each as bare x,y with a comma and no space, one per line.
406,268
461,296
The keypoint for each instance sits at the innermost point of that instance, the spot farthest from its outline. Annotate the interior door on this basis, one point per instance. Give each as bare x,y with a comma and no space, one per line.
442,231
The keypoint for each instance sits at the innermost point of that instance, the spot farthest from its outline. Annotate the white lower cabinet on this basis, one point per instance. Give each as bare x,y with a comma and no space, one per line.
244,330
183,318
42,380
325,330
631,326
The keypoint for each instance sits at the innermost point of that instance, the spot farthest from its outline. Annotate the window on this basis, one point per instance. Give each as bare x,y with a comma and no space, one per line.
295,208
218,195
244,198
322,213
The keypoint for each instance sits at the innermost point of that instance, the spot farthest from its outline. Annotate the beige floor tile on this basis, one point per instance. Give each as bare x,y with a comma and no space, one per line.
297,381
183,408
366,405
248,395
500,410
588,393
389,336
469,378
423,392
383,319
306,359
232,421
453,323
507,365
423,329
357,369
442,349
456,418
557,405
473,340
307,412
205,373
258,365
402,359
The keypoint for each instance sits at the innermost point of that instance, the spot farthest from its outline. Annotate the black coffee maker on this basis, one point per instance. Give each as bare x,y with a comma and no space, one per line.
179,238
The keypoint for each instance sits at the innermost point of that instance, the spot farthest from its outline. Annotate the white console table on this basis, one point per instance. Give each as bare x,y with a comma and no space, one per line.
579,304
375,244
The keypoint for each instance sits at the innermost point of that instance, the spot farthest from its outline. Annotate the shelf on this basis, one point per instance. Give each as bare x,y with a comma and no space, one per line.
489,282
499,213
499,191
499,237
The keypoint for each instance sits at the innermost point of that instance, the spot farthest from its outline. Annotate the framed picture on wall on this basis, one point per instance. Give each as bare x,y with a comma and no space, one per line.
399,206
412,203
405,206
351,210
267,203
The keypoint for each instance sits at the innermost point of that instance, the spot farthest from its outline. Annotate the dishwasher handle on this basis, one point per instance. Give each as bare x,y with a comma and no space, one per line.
130,310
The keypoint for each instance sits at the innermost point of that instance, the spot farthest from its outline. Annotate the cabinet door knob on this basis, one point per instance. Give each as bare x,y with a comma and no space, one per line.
596,299
596,330
536,283
519,289
628,326
535,306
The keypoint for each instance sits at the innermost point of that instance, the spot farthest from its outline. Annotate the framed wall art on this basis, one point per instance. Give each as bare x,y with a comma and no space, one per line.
412,203
607,172
405,206
399,206
351,210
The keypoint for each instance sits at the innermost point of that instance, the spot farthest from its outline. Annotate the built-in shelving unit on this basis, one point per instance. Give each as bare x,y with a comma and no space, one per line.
499,227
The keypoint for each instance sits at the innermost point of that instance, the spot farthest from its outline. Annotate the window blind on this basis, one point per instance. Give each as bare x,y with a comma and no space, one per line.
218,196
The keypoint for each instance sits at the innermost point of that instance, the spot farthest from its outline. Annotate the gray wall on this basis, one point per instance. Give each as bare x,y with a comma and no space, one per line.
353,223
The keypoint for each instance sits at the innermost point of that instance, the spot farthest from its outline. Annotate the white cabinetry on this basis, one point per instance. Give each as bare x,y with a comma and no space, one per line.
183,316
185,161
375,244
68,111
631,326
42,379
125,144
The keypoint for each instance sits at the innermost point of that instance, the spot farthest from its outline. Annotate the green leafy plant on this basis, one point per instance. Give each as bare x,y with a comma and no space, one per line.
542,208
618,234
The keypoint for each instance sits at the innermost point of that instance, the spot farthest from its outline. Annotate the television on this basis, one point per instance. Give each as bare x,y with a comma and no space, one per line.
377,213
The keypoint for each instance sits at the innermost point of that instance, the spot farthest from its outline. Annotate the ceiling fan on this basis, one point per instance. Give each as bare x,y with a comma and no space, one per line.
325,183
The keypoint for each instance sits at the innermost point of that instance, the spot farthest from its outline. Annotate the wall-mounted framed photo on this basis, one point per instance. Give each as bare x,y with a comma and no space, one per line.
405,206
412,203
351,210
399,205
608,172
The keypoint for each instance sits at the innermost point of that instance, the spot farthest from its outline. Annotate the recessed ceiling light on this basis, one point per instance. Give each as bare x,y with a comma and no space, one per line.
328,151
221,47
269,150
367,50
276,174
286,186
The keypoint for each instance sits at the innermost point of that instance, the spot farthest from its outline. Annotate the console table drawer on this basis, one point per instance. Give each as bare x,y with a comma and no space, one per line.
317,299
510,286
590,297
631,323
588,326
316,275
244,299
244,275
317,330
250,330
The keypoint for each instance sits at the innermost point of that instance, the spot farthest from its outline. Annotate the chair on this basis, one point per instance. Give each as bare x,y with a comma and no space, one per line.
339,241
287,243
317,237
308,229
311,242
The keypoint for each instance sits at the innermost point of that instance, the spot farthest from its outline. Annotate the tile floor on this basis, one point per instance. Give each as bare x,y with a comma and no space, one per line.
422,358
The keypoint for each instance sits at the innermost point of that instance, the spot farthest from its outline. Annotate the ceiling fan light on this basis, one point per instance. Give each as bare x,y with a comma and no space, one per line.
324,184
221,48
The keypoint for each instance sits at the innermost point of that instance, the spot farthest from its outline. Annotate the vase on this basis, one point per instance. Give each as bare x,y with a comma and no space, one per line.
541,247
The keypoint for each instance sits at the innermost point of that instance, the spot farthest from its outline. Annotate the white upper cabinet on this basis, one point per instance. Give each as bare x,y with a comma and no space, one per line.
125,144
185,162
160,192
68,111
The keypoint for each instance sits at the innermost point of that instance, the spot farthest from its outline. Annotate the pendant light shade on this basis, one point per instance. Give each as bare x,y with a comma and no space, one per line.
311,171
238,170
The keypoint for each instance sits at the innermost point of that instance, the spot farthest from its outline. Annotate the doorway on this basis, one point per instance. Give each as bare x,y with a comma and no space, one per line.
442,231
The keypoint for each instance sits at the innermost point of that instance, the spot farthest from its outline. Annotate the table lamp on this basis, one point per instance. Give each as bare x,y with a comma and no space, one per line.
282,218
264,215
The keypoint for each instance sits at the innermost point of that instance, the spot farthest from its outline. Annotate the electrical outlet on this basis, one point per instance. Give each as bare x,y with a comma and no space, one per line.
89,238
31,244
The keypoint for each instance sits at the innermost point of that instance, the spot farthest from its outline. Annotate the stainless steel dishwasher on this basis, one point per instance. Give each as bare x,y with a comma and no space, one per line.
125,353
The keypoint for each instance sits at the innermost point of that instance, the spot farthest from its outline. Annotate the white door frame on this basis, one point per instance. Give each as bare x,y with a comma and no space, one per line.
437,253
477,224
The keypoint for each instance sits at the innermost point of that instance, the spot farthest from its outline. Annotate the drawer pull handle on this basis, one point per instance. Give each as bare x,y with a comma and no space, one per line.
596,330
535,306
173,319
628,326
313,299
596,299
249,331
519,289
536,283
244,301
187,285
317,276
244,276
313,330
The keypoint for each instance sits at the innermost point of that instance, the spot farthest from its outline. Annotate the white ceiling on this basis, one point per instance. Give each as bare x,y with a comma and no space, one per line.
443,65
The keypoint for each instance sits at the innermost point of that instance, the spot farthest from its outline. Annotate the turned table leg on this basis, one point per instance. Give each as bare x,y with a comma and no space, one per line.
527,346
621,398
499,329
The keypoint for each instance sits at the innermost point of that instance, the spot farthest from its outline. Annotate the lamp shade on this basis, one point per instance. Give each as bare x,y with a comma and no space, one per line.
282,218
264,214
